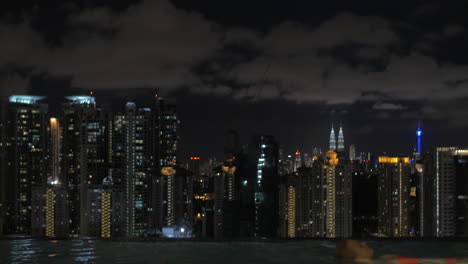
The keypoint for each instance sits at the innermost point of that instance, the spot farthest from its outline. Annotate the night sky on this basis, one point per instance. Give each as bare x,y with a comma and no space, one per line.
286,68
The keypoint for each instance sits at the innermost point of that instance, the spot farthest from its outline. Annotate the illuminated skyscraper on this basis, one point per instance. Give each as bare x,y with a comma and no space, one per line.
332,139
450,174
338,185
226,200
167,125
341,146
287,208
134,165
297,160
394,194
85,160
24,155
316,201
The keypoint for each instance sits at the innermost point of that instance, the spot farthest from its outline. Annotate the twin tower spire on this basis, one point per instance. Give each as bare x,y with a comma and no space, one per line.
333,145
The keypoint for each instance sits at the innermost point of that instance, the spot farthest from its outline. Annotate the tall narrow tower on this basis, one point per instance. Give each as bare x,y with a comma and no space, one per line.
297,161
340,140
332,139
419,135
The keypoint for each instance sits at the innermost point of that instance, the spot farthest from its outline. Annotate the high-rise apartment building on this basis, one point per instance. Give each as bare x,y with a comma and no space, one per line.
164,186
85,159
226,200
450,192
393,196
50,201
322,204
23,158
133,170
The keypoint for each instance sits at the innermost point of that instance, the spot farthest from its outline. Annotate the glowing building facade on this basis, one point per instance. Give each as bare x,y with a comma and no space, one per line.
332,145
393,196
133,167
322,204
341,146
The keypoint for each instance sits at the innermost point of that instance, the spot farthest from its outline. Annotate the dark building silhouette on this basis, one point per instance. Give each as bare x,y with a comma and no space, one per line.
85,159
264,157
365,197
448,173
23,159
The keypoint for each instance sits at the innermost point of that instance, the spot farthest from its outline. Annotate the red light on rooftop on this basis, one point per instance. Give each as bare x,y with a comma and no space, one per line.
298,153
91,93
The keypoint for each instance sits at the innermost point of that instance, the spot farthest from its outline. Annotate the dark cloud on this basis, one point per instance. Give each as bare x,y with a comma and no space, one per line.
343,59
388,106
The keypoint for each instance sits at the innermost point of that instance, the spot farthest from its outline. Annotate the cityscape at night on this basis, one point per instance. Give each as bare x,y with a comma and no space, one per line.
139,131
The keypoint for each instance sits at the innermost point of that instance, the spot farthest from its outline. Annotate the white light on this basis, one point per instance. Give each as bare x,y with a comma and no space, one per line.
182,230
25,99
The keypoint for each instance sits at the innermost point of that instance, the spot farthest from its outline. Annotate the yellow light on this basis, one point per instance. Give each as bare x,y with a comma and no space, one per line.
291,212
50,213
394,160
105,214
229,170
168,171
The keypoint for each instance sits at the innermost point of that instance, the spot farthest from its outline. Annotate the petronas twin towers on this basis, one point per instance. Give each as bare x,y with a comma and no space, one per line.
333,145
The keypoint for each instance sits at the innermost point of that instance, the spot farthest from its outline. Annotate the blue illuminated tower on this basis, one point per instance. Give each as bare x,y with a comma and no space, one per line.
419,135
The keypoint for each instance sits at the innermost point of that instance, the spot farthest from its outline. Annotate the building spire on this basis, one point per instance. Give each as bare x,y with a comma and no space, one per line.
340,139
332,139
297,161
419,135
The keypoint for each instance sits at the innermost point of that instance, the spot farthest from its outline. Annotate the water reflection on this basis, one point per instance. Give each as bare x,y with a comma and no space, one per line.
83,250
23,251
26,250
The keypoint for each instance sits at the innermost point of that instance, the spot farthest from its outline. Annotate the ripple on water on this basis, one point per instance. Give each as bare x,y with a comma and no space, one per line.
27,250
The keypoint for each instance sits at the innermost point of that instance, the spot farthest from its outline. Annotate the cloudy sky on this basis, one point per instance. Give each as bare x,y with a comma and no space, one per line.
287,68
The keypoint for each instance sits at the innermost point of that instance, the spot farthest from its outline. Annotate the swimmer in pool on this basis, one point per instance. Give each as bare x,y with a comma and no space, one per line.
359,252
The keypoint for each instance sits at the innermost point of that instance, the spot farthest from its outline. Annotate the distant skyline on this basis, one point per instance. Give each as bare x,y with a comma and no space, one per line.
288,69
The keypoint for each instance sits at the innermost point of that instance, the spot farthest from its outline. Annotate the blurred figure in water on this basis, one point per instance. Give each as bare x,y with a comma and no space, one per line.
360,252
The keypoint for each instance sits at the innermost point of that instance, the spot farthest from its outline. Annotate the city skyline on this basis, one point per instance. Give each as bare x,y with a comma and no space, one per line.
215,144
262,131
96,172
375,67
